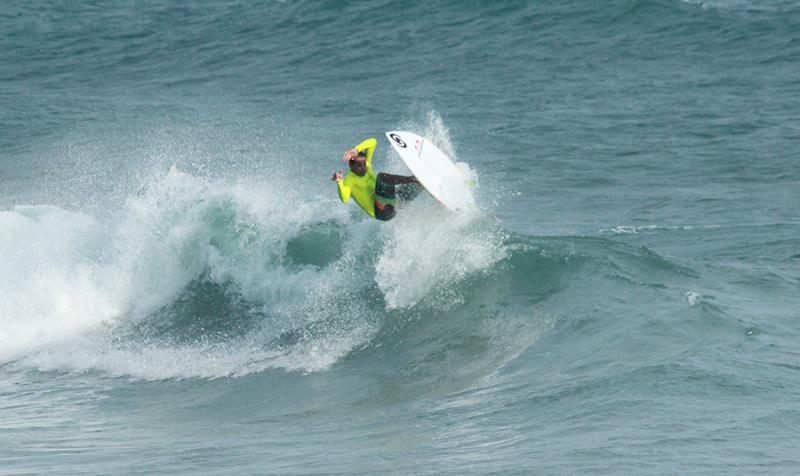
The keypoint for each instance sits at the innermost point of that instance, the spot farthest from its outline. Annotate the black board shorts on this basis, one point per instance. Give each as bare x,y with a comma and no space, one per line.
387,195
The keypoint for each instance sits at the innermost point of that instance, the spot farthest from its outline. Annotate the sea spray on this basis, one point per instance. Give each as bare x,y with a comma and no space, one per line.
429,250
53,280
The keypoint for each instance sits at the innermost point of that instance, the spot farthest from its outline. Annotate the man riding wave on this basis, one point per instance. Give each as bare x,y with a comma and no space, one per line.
376,195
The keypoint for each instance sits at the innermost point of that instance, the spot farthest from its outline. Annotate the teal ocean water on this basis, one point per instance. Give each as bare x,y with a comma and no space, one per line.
181,291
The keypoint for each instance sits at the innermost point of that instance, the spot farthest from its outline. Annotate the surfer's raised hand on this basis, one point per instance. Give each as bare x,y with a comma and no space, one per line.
337,176
350,154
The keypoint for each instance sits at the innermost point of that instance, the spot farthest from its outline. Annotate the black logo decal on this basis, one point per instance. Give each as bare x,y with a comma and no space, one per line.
397,139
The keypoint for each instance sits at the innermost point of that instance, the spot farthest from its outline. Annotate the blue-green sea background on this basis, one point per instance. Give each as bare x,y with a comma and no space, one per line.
181,292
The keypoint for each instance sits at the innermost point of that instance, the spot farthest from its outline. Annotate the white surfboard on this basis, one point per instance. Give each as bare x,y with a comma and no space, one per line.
434,170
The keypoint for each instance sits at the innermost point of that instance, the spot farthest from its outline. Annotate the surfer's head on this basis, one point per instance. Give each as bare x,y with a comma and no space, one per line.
358,164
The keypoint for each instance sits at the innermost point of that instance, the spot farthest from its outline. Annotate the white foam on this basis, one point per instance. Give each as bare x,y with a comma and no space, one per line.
149,361
428,250
632,230
52,281
70,284
693,299
745,5
73,288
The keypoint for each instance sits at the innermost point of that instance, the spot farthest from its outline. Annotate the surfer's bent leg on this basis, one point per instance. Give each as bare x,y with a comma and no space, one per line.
396,179
408,188
408,192
385,198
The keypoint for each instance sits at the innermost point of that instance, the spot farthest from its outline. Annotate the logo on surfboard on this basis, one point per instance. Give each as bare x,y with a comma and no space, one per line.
418,146
398,140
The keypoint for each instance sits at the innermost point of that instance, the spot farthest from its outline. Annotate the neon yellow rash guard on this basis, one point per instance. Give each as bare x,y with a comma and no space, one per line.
362,189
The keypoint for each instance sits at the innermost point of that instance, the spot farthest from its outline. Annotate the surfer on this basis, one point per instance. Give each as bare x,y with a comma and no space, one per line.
376,195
